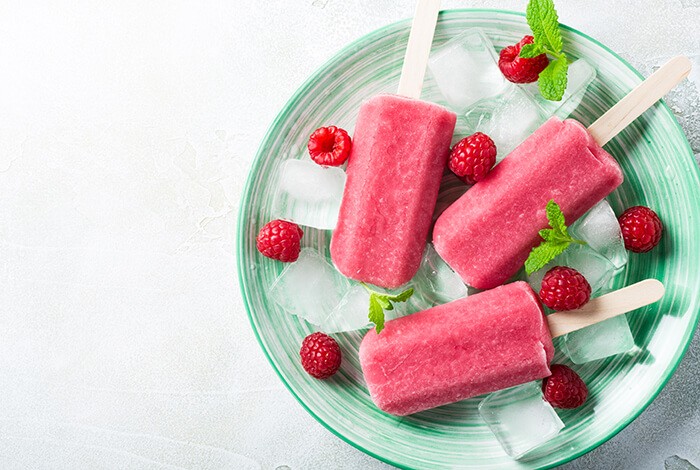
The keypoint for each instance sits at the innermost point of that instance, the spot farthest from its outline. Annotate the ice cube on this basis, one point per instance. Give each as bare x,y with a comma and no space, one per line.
580,75
466,70
520,418
310,288
601,230
607,338
508,120
351,313
435,282
676,463
309,194
595,268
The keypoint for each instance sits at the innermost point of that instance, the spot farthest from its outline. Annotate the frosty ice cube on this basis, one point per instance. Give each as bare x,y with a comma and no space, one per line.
351,313
597,270
435,282
513,116
466,70
607,338
314,290
309,194
600,229
310,288
508,120
520,418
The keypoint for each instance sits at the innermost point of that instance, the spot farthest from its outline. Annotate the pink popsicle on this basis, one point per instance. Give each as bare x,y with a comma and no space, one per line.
487,234
400,149
482,343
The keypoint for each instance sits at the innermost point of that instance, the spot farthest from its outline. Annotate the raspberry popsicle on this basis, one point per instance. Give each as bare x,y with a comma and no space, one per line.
482,343
487,234
400,149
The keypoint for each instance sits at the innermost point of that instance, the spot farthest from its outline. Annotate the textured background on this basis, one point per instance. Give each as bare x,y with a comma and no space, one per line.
126,131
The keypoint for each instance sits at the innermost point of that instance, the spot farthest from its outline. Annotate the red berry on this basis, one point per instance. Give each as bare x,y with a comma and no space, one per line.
472,157
329,146
641,229
320,355
280,240
519,70
564,388
564,288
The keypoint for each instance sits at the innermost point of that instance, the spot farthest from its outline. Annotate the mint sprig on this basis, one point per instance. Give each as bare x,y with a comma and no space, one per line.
380,301
544,23
554,240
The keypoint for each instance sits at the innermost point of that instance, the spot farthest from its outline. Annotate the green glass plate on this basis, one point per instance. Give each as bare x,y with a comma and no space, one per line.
659,172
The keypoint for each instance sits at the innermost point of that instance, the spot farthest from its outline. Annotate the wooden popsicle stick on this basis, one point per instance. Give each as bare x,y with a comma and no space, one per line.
606,306
640,99
420,40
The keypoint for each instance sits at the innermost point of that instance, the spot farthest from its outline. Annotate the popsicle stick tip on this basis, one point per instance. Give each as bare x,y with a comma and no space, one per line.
601,308
640,99
684,62
656,288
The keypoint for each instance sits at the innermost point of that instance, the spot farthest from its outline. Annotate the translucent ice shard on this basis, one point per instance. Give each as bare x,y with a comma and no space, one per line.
310,288
508,120
520,418
600,229
607,338
309,194
466,70
435,282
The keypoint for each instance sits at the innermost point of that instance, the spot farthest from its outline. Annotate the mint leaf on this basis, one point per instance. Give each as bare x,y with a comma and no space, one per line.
554,240
543,254
380,301
552,81
555,216
403,296
544,23
529,51
547,234
376,313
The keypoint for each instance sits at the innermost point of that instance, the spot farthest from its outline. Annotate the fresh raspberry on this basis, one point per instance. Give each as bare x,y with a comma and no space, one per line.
519,70
564,388
564,288
280,240
641,229
320,355
472,157
329,146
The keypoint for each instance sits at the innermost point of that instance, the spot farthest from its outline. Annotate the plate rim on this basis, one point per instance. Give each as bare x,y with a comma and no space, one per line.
257,160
